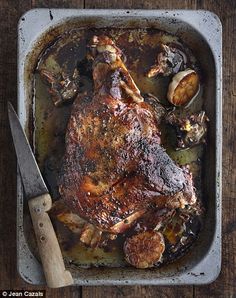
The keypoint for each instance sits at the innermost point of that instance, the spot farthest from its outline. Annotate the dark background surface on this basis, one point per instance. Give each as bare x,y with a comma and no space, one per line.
225,285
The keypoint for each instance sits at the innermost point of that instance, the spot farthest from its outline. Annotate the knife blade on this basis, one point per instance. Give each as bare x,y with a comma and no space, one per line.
32,179
40,202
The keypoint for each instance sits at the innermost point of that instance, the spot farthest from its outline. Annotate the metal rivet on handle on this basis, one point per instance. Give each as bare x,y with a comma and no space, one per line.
37,209
42,238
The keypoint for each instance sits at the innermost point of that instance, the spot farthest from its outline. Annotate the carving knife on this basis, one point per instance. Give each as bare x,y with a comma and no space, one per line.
40,202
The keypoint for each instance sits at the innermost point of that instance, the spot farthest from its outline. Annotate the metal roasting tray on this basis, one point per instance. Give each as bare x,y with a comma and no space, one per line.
202,32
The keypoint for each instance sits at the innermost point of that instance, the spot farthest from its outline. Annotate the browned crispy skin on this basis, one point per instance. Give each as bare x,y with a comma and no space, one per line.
114,166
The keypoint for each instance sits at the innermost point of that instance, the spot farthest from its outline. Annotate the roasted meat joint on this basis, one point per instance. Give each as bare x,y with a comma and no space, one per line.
120,188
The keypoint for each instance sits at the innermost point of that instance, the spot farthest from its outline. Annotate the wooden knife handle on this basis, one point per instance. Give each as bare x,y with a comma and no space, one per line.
54,269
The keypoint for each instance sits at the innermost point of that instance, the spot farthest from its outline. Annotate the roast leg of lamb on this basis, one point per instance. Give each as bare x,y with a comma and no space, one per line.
114,167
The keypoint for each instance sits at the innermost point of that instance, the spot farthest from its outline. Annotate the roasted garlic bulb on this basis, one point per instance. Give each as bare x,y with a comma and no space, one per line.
183,87
145,249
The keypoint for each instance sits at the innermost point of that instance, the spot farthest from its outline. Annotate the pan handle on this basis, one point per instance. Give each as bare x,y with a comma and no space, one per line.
53,265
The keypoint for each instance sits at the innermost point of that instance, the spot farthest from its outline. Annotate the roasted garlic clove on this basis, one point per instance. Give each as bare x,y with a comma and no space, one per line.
183,87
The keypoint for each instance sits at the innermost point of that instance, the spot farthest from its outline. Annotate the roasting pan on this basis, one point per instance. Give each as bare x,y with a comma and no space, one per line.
202,32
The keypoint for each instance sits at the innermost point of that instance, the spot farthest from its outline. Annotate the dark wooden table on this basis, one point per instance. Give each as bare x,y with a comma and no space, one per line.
225,285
